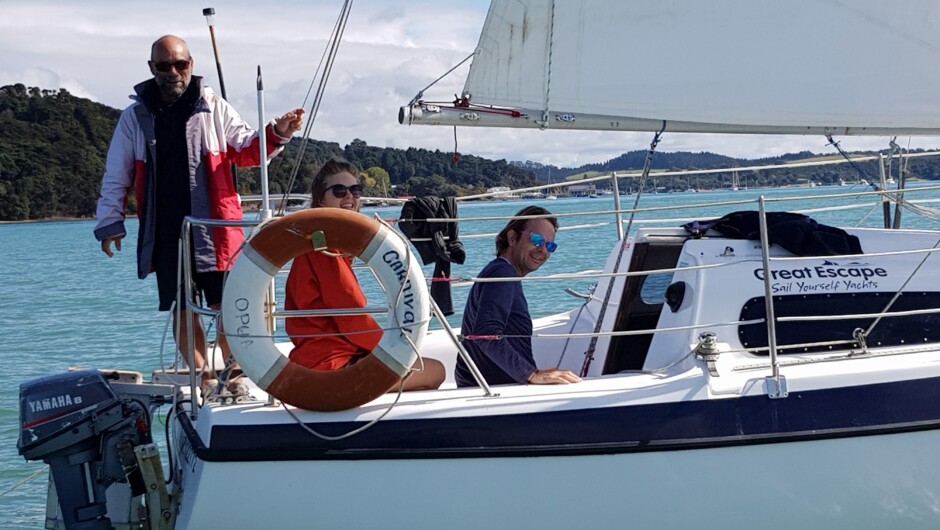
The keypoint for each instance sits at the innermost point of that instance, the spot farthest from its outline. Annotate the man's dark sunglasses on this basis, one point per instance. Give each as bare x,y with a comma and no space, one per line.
163,66
339,190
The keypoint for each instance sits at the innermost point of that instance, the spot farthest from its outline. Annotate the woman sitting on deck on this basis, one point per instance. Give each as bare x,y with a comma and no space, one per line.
319,280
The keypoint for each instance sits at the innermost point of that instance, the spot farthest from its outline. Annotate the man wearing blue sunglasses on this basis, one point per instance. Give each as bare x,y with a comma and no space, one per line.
496,326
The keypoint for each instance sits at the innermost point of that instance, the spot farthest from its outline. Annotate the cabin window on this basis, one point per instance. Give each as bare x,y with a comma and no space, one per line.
641,302
654,288
793,337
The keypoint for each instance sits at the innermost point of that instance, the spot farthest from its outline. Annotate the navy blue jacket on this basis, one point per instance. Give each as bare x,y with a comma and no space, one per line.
497,308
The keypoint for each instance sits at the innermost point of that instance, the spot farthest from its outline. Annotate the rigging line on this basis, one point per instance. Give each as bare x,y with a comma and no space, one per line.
401,388
926,213
285,196
897,294
902,171
25,480
332,47
420,93
647,165
893,149
574,322
886,169
548,66
829,161
872,210
330,54
323,56
870,180
661,371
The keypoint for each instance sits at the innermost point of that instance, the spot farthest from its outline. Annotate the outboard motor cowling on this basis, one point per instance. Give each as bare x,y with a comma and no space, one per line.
77,425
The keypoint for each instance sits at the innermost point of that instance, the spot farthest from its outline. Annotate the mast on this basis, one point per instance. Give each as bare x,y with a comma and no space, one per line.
266,212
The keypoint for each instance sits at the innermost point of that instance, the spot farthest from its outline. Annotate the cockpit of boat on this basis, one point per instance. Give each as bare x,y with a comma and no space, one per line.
674,295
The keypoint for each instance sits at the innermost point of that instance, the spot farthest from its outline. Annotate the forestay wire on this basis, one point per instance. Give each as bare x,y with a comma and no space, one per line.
647,166
320,79
859,170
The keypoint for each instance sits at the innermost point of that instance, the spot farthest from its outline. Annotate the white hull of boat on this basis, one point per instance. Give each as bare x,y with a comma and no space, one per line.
848,440
844,436
861,482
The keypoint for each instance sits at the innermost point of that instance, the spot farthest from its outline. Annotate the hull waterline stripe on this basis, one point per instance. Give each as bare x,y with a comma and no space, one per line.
878,409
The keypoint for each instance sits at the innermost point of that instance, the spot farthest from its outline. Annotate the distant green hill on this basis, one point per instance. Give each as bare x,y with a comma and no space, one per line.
53,146
922,168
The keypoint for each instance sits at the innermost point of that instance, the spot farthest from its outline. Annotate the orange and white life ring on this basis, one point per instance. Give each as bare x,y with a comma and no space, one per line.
245,323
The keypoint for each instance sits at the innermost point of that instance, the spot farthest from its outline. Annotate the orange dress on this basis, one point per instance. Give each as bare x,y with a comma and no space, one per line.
319,281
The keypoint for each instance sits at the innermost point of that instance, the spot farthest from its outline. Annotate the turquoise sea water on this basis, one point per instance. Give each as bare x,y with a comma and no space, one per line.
63,303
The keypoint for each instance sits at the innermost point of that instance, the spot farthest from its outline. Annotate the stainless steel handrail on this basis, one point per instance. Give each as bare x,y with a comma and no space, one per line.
191,308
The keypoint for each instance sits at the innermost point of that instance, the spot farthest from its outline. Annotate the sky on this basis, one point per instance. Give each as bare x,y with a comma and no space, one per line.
98,49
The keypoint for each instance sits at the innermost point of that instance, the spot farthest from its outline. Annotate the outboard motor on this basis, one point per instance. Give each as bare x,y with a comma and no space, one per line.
77,425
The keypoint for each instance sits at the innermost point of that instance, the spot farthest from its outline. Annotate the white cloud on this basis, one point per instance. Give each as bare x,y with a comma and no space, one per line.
44,78
391,50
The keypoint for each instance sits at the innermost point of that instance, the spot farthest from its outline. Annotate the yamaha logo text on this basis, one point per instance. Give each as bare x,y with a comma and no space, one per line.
54,402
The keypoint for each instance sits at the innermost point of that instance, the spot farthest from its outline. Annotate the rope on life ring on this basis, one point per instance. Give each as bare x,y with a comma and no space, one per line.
245,325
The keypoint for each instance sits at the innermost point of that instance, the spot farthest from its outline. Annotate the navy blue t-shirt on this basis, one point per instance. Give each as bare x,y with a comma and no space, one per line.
497,308
172,180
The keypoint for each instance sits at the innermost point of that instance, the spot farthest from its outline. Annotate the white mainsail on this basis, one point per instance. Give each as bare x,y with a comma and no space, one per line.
864,67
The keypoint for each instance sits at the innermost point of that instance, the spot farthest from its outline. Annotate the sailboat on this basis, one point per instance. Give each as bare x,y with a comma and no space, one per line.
763,385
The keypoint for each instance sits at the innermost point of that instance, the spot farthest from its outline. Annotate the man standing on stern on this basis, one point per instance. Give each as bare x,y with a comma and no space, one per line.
496,321
175,145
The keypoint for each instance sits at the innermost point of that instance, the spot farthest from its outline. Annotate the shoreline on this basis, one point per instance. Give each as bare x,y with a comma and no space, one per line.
47,220
918,180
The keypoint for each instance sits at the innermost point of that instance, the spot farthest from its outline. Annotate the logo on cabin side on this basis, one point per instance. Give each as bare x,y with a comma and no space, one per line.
830,276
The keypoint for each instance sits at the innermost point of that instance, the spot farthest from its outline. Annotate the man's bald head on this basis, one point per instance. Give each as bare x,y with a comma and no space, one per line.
171,66
168,44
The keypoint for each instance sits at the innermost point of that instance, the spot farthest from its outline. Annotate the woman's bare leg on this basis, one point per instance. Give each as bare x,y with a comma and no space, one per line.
428,379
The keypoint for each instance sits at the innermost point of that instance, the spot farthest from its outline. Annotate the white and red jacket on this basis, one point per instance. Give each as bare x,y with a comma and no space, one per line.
223,138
